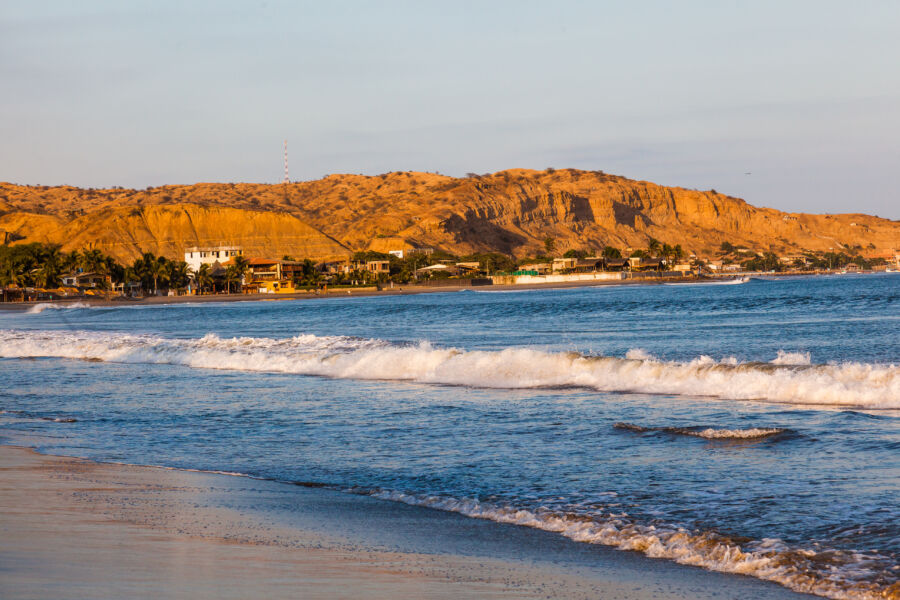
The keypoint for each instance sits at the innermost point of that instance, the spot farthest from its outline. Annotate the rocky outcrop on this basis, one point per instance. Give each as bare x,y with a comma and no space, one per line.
509,211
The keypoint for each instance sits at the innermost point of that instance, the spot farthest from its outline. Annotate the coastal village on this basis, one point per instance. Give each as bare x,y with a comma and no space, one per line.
48,274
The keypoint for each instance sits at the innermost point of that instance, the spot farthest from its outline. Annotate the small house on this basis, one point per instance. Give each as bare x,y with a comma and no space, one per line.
564,264
615,264
539,268
378,266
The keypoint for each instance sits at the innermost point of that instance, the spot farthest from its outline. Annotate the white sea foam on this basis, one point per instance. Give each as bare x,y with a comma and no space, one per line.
792,358
736,281
709,433
737,434
638,354
41,307
848,384
829,573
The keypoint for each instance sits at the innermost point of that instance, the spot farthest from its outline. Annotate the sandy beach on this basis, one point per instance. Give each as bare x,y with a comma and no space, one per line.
72,528
397,290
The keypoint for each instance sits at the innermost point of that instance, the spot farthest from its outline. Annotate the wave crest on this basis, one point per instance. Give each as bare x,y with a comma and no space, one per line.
848,384
829,573
792,358
42,306
709,433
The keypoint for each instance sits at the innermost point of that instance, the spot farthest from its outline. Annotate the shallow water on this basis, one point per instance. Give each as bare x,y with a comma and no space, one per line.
747,428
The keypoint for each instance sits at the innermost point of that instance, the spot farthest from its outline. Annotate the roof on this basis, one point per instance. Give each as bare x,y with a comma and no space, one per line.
587,262
212,248
258,262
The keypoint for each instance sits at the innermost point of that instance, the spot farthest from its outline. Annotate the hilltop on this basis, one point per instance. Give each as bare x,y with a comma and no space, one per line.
510,211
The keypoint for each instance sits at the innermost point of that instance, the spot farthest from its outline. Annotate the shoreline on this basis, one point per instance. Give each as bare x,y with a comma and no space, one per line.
104,530
404,290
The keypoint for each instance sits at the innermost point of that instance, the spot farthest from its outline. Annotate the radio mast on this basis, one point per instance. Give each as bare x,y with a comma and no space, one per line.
286,178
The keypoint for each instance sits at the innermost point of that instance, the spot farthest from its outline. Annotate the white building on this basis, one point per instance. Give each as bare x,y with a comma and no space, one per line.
195,257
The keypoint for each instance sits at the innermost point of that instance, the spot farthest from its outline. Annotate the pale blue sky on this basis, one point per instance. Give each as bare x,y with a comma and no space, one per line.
805,95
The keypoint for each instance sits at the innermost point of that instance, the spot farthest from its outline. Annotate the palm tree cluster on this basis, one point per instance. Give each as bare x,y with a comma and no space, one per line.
657,249
234,273
158,272
44,266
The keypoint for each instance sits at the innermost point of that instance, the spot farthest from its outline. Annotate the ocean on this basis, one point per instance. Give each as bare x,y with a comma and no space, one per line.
749,428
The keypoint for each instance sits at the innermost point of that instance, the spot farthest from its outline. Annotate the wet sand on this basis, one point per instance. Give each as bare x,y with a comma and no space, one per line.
71,528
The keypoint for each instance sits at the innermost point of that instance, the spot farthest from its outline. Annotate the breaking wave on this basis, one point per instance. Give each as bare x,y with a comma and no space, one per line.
41,307
830,573
709,433
848,384
792,358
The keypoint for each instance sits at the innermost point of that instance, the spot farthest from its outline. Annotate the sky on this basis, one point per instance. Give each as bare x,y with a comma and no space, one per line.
789,104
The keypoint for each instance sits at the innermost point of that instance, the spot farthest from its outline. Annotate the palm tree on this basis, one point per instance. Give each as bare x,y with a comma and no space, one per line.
93,260
204,279
160,271
653,247
47,275
150,269
667,252
241,265
177,272
71,261
232,275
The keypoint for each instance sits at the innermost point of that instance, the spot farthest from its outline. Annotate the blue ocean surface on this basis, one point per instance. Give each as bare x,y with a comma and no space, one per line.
750,428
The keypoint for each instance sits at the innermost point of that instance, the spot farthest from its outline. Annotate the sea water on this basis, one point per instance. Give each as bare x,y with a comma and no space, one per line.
750,428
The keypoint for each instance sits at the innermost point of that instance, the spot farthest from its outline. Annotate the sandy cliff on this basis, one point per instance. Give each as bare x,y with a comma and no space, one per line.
510,211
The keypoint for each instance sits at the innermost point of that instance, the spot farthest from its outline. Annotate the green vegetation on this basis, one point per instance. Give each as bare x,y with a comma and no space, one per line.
767,262
44,266
549,244
611,252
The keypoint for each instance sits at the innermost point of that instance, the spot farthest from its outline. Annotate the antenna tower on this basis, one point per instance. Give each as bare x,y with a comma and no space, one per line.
286,178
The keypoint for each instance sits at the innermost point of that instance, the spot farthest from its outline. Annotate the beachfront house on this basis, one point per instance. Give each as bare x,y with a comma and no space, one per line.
438,269
197,256
271,276
13,293
646,264
264,269
591,264
378,266
564,264
89,280
468,267
615,264
537,268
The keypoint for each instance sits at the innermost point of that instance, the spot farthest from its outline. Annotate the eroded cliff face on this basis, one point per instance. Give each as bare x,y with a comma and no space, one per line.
167,230
510,211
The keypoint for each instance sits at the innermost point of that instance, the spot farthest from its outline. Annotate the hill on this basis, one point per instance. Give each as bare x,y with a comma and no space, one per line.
510,211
